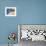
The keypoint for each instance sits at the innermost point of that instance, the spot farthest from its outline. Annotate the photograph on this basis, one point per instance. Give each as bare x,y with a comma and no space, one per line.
10,11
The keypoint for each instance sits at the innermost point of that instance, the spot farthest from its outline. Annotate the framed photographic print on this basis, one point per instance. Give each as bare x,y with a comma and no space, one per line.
10,11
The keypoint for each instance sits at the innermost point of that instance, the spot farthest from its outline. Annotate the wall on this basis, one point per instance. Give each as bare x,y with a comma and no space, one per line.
28,12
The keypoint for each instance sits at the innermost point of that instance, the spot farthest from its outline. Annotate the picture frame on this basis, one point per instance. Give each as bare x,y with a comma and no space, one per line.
10,11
